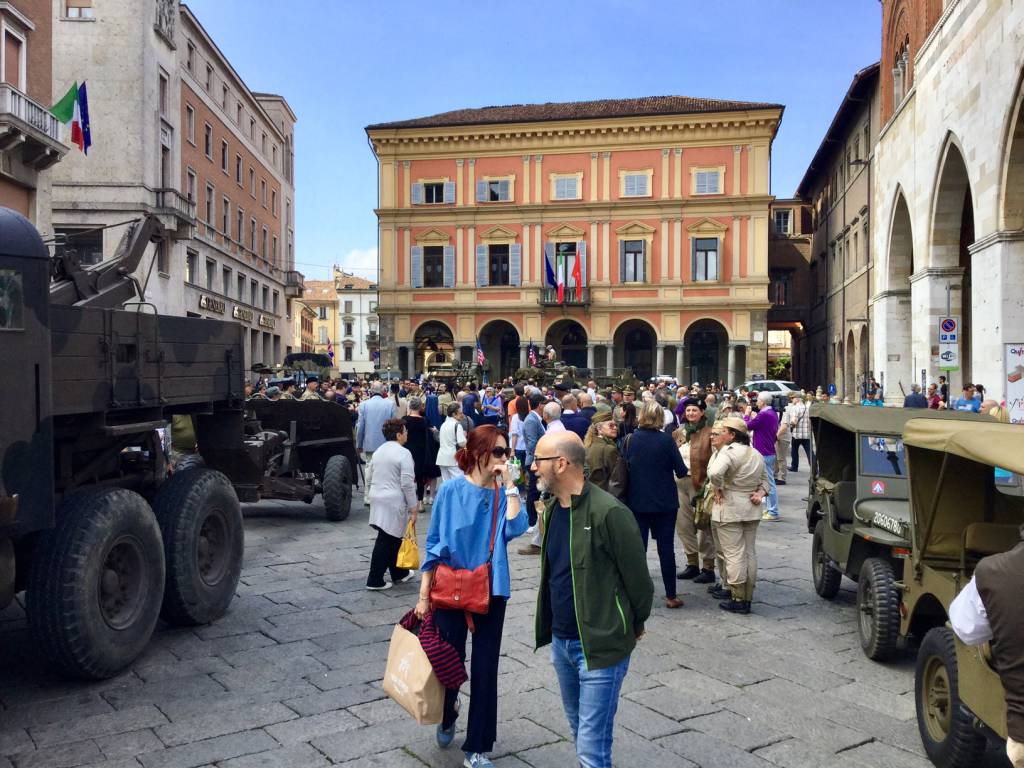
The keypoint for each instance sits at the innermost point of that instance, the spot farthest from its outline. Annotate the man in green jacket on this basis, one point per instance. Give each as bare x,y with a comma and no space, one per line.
595,593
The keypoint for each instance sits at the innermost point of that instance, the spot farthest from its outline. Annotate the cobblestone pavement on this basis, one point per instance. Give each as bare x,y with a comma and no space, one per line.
291,676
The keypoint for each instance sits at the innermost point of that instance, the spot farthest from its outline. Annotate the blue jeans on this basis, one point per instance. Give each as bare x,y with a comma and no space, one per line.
772,500
590,699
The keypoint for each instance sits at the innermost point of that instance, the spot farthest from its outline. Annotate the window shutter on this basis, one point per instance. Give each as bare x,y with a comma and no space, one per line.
641,185
549,263
505,190
642,277
481,266
713,179
515,264
417,193
481,191
449,191
449,266
630,186
622,261
702,183
581,254
417,266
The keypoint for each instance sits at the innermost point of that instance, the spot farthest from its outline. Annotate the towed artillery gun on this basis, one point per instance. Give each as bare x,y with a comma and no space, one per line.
101,536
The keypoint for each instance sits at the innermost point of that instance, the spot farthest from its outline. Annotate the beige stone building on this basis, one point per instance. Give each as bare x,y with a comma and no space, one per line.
948,190
837,186
651,212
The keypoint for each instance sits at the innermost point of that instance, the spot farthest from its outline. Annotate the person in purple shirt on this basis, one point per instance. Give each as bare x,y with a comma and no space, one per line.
764,426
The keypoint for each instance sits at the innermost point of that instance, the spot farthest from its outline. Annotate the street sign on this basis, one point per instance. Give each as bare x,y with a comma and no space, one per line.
878,488
1013,360
832,390
949,343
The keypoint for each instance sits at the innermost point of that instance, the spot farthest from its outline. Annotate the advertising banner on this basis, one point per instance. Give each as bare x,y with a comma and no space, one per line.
1013,357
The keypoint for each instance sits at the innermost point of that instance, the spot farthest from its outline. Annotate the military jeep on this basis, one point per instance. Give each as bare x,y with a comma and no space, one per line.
858,512
966,502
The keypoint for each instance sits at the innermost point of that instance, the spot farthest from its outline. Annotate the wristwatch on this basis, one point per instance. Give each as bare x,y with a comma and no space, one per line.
511,491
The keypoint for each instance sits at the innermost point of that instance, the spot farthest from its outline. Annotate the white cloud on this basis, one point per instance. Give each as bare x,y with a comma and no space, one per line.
362,262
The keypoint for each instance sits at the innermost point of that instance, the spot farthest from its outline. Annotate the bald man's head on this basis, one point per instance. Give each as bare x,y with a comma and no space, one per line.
559,459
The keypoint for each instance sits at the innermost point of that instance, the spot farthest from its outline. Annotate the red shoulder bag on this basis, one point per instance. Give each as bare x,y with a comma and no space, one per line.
462,589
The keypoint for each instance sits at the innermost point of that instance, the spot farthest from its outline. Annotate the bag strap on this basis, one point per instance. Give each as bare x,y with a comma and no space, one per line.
494,524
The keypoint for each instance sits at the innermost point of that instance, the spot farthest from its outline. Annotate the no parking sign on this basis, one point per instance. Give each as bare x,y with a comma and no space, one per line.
949,343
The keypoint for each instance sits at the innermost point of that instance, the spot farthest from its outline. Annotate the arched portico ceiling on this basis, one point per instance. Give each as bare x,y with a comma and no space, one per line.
1011,194
900,253
952,193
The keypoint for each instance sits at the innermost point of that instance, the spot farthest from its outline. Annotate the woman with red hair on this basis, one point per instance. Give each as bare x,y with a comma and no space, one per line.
460,536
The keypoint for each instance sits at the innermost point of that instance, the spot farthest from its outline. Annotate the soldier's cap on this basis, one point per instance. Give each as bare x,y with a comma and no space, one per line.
695,401
601,416
735,423
628,390
273,391
561,386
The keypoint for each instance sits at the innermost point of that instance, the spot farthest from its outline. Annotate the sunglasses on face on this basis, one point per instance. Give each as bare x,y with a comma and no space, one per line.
500,452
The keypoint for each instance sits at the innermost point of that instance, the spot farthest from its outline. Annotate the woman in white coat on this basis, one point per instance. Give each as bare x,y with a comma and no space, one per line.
740,482
452,437
391,492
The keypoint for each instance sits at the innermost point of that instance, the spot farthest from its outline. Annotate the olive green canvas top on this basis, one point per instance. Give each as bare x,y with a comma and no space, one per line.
989,442
862,418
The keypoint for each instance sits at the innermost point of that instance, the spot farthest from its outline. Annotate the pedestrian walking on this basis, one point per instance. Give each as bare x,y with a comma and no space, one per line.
741,480
783,442
602,455
651,494
695,448
798,415
764,426
594,597
424,446
391,491
915,399
473,519
452,437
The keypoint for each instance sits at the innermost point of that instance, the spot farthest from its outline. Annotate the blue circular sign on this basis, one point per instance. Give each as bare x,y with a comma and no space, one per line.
831,389
949,325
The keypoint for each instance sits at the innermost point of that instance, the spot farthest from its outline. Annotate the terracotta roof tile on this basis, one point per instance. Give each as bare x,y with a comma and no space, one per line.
576,110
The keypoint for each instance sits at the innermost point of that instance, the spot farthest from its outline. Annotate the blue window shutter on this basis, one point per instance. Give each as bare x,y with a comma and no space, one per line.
417,193
449,266
622,261
641,185
642,276
549,262
515,264
449,191
481,266
629,186
581,254
417,266
481,191
505,190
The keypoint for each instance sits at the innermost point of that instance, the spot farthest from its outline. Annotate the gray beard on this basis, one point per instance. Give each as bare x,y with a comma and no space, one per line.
542,485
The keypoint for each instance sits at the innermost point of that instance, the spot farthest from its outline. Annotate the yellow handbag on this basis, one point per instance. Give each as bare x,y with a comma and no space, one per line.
409,552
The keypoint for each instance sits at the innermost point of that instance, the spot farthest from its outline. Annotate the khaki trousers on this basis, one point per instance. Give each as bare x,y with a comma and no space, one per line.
782,446
736,541
1015,751
694,542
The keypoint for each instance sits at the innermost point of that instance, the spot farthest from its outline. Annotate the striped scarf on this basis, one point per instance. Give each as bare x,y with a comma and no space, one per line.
449,668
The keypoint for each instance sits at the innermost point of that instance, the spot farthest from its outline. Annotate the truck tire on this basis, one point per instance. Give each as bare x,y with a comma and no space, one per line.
204,541
826,578
878,609
337,488
947,731
96,582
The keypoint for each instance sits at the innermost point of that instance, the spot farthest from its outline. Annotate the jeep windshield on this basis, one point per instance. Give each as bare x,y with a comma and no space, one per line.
882,456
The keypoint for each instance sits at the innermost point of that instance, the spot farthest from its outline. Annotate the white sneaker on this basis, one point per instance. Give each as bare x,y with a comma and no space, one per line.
387,585
408,577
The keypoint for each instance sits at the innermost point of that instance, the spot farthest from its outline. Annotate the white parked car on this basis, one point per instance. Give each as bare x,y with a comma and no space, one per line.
775,386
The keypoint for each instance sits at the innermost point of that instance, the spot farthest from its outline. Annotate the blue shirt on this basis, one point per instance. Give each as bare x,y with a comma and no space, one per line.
965,404
460,531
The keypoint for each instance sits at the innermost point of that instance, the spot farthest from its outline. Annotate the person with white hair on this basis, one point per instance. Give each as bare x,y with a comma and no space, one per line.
764,427
552,415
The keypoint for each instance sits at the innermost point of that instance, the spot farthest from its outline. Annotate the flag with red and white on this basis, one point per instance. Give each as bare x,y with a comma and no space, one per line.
532,354
73,110
480,359
330,349
560,275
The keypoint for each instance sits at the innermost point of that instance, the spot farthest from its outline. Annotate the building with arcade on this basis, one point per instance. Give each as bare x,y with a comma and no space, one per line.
652,212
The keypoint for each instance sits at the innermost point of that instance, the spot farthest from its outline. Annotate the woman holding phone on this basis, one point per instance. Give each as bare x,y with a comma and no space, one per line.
460,536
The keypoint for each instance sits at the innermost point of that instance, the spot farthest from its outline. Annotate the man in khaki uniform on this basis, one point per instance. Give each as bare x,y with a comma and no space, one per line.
311,392
696,451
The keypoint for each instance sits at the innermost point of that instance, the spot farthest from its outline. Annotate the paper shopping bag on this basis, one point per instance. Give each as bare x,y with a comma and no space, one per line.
410,680
409,553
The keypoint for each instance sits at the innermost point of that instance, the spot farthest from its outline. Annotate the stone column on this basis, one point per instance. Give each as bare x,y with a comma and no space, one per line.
609,359
524,350
659,357
680,370
590,355
731,369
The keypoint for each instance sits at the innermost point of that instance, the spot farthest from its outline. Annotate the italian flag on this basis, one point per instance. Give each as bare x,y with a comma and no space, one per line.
560,271
73,109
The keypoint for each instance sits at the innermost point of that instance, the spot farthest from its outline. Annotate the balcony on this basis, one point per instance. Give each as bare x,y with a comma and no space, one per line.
177,213
574,297
31,125
294,285
372,340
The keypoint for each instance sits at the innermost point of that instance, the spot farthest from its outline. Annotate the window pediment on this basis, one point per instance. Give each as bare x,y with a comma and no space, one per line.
636,229
497,234
433,236
708,226
566,232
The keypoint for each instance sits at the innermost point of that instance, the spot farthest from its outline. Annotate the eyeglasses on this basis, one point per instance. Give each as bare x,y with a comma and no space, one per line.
500,453
548,458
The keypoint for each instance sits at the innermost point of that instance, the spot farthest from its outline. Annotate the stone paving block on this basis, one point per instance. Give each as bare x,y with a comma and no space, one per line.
394,758
378,711
272,654
709,752
794,753
899,706
643,721
336,678
737,730
203,726
673,704
285,669
304,729
226,701
61,756
339,698
557,755
210,750
122,762
885,676
353,637
194,647
350,745
880,755
697,684
15,740
294,756
176,668
126,745
301,629
136,718
792,720
632,751
189,687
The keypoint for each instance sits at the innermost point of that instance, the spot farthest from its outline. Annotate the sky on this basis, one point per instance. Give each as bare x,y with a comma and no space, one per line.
343,65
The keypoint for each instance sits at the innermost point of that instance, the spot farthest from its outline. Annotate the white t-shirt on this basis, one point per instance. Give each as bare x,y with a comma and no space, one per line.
554,426
515,431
